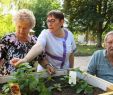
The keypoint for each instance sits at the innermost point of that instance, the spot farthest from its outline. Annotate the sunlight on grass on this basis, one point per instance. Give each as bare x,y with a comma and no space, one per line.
86,50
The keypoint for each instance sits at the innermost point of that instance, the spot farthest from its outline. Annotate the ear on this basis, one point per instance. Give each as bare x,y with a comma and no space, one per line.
104,45
62,22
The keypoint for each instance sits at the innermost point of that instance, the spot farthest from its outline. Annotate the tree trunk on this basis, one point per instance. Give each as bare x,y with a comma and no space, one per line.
99,40
99,35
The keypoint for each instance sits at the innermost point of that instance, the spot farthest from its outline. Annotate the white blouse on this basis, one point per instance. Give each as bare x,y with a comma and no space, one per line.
57,49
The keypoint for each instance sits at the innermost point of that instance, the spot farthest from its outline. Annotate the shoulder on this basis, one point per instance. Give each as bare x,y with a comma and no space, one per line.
99,53
8,37
34,37
69,34
44,33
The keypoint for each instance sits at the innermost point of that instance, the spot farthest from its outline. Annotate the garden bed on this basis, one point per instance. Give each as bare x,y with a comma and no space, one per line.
64,88
36,83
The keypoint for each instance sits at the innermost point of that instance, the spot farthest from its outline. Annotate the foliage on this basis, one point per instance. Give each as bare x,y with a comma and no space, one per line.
59,84
40,8
5,18
29,85
89,15
83,87
86,50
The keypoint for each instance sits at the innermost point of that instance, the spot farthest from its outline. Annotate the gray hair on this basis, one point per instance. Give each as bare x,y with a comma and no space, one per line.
25,14
109,33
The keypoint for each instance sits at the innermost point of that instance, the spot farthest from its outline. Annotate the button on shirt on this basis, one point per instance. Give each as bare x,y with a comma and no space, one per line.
100,66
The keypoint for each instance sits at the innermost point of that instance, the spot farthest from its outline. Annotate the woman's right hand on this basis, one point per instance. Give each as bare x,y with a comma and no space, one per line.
16,61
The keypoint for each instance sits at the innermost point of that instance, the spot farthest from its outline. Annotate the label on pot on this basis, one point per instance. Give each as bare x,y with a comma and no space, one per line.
72,77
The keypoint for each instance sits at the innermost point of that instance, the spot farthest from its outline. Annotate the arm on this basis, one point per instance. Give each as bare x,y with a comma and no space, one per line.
92,65
71,60
2,54
35,51
73,48
1,62
44,63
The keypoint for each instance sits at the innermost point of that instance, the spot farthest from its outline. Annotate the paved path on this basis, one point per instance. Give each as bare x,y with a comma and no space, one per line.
82,62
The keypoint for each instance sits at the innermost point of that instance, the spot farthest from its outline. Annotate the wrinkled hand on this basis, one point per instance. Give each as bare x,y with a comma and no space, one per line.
1,46
1,62
16,61
50,69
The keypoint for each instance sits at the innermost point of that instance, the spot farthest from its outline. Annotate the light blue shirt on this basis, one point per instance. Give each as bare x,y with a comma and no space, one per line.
100,66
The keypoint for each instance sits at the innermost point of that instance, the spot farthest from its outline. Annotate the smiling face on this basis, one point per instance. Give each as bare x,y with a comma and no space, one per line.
109,44
54,24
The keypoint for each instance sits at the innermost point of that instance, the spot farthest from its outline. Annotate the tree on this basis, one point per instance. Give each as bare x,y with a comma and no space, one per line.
95,15
6,25
40,9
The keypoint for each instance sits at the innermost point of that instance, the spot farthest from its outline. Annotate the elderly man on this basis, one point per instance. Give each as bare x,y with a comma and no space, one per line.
101,63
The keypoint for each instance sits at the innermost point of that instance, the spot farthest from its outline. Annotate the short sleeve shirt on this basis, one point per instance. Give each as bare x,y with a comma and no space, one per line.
56,47
100,66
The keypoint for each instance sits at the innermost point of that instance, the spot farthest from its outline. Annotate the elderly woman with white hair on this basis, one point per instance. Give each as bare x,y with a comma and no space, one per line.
17,44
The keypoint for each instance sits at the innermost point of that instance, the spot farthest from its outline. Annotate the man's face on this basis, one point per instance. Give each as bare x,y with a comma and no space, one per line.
109,44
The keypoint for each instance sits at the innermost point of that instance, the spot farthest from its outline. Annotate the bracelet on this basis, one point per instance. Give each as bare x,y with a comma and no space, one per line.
47,65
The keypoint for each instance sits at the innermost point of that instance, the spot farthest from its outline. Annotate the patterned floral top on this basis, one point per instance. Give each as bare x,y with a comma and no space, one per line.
12,47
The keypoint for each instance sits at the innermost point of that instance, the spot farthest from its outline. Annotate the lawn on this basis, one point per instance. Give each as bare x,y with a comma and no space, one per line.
85,50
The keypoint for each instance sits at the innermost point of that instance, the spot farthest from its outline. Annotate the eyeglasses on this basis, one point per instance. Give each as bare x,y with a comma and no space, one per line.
50,21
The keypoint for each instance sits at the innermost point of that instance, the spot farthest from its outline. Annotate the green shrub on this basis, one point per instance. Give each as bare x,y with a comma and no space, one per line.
85,50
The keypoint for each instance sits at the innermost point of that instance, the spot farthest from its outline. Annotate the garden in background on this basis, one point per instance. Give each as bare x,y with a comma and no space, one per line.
86,50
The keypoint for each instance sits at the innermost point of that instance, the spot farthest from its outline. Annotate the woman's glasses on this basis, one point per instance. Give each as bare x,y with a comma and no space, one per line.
50,21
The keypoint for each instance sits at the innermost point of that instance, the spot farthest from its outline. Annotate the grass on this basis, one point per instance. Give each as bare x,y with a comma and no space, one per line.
86,50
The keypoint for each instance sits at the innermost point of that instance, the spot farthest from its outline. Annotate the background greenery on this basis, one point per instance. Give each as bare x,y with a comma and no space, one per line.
86,50
93,18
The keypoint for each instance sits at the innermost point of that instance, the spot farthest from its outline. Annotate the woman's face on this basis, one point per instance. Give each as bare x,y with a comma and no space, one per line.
23,28
54,24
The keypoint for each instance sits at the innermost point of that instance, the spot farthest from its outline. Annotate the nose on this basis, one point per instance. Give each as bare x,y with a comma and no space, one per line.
112,44
21,30
49,25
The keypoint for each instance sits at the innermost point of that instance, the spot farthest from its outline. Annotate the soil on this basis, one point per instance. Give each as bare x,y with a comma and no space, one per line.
69,90
66,90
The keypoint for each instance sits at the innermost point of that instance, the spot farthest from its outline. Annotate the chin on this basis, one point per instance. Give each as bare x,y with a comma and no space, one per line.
111,53
51,29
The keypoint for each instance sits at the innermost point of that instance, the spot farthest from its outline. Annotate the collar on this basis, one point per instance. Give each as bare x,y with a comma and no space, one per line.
105,53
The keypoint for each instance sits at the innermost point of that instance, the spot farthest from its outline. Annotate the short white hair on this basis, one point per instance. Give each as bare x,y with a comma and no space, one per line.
109,33
25,14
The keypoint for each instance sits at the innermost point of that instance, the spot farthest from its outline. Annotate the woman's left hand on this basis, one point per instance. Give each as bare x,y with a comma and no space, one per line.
50,69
